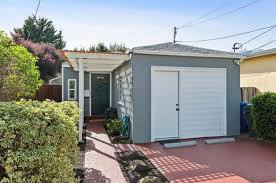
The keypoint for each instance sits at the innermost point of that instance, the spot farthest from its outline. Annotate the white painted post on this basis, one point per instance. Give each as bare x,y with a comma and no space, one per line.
81,98
110,89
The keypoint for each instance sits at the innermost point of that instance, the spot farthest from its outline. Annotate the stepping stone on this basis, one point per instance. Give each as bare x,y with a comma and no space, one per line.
150,179
132,155
138,166
220,141
180,144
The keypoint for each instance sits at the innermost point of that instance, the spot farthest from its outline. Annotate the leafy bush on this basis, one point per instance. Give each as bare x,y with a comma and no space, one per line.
113,127
19,76
38,141
264,115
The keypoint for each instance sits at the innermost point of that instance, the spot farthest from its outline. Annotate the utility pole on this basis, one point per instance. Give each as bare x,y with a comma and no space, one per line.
236,46
34,16
174,34
37,8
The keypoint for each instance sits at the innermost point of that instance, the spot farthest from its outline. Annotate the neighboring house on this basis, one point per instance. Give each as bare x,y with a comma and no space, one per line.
258,71
168,90
56,80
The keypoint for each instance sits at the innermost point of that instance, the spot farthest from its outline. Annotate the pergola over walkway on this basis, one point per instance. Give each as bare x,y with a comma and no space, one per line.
92,62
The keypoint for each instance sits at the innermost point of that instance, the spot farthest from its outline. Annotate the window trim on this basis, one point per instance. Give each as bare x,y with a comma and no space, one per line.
72,89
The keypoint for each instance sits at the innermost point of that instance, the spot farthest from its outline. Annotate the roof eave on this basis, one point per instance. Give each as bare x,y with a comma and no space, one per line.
146,52
258,55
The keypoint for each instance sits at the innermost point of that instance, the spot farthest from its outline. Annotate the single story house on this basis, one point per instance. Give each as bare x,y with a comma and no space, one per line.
258,70
169,91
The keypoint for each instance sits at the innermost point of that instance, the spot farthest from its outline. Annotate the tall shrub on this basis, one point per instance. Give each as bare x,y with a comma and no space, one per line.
19,76
38,141
264,115
49,58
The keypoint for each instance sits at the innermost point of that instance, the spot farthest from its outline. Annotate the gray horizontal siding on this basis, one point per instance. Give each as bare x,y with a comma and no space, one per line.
69,73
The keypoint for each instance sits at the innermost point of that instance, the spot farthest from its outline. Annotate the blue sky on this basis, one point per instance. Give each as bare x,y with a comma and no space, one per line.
142,22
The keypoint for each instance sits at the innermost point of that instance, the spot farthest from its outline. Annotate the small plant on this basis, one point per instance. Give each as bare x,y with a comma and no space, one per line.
111,113
114,127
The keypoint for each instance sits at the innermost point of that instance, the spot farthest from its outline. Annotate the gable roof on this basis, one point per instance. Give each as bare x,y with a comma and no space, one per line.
182,50
261,53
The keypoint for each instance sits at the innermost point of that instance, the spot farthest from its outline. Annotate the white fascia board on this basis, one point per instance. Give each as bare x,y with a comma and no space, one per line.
51,80
259,55
107,62
65,64
187,54
98,69
97,56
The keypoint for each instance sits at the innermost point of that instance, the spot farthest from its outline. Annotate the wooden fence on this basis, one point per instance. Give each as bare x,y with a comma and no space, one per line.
247,93
52,92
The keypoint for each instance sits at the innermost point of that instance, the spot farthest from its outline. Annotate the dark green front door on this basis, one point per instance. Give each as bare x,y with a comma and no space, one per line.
100,88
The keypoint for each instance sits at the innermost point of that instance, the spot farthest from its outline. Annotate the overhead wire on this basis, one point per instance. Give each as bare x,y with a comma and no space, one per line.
206,14
268,43
240,45
221,15
229,36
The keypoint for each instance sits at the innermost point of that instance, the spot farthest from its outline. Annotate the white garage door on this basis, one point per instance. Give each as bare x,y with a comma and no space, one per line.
200,94
202,103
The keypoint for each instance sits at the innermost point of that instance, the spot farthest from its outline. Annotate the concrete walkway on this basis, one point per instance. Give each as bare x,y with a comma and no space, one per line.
240,162
100,162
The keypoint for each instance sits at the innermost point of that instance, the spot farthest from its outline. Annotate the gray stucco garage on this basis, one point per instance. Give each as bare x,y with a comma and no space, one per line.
181,91
169,91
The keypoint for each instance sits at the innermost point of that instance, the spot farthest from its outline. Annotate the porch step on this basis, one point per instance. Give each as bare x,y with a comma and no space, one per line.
94,120
94,117
179,144
220,141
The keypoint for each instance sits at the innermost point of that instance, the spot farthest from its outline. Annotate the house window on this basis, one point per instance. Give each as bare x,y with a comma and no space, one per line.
120,85
72,89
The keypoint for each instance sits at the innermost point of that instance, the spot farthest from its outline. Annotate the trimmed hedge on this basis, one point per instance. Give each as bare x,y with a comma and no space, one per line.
264,115
38,141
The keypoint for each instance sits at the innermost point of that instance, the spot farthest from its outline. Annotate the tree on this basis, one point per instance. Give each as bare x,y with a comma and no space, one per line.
41,30
101,48
117,47
92,48
19,76
49,58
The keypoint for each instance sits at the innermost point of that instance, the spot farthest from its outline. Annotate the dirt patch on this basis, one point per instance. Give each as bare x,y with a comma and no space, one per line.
80,169
136,167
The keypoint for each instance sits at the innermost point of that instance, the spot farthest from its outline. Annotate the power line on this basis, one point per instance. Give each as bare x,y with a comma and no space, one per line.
237,46
221,15
263,45
206,14
259,35
228,36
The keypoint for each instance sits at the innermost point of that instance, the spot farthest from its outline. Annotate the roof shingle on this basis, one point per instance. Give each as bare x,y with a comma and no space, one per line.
169,47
